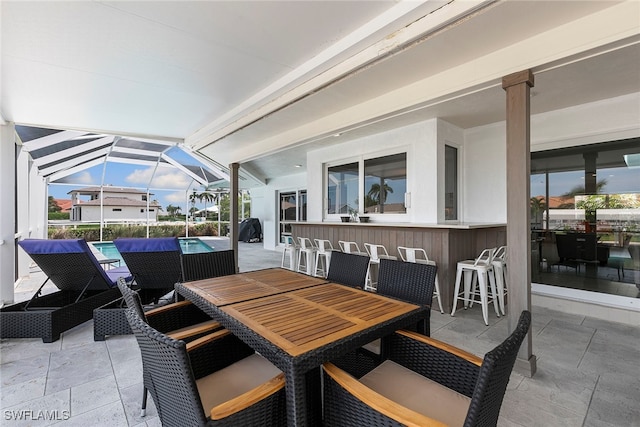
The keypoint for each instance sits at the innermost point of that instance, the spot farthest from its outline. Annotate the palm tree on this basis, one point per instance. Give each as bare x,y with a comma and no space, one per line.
378,194
205,197
173,210
538,204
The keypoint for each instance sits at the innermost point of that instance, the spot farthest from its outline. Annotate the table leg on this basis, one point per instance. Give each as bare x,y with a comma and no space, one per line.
304,400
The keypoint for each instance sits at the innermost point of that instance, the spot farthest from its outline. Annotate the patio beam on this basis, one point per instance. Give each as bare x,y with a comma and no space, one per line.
517,87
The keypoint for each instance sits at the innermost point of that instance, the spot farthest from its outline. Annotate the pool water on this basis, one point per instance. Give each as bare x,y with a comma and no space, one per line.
188,245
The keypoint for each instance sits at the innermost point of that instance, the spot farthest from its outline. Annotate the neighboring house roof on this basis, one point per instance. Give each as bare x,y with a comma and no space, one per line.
119,201
557,201
64,204
107,188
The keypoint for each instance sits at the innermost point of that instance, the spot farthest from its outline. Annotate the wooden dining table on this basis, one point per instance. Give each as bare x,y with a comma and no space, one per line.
298,329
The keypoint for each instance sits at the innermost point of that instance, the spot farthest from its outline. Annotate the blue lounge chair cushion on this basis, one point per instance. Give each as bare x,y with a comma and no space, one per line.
71,273
159,244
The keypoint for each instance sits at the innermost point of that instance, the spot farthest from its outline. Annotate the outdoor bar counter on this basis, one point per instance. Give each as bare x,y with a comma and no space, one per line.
446,244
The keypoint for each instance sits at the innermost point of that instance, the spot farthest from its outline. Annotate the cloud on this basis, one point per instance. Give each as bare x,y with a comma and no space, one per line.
167,179
84,178
177,197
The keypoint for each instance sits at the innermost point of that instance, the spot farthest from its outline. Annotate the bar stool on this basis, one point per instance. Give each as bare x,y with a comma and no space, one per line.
290,249
306,255
376,252
500,273
478,273
418,255
350,247
323,257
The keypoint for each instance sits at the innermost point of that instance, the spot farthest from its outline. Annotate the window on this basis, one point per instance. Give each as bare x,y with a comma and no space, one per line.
342,191
116,210
385,182
585,194
450,183
144,197
141,210
383,186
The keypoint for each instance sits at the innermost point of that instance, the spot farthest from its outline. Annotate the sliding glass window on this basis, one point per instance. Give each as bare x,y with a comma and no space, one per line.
585,216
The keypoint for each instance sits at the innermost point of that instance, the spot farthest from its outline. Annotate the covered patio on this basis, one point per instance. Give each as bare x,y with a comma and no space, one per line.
360,81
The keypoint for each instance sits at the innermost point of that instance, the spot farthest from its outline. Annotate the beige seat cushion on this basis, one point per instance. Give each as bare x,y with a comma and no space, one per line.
418,393
234,380
373,346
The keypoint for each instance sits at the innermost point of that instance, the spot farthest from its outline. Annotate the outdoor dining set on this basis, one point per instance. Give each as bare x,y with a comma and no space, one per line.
270,347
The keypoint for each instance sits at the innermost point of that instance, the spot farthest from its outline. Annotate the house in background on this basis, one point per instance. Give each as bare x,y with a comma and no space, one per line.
118,204
63,204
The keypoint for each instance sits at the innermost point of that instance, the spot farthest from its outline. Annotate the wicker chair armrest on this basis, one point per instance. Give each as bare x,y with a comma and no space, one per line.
195,331
450,366
378,402
443,346
248,399
175,316
168,307
206,340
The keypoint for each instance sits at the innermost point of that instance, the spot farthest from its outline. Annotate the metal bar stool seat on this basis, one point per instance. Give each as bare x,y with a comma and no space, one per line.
478,276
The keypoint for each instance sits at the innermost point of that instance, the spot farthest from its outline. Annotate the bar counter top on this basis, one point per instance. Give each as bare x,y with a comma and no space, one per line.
445,225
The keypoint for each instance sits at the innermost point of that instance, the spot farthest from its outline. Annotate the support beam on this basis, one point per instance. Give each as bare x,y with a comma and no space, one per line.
517,87
233,203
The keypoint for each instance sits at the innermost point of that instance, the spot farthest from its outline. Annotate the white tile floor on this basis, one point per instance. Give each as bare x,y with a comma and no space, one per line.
588,370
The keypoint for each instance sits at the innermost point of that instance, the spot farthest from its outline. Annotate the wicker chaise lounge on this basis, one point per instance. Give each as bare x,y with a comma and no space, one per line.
83,285
154,264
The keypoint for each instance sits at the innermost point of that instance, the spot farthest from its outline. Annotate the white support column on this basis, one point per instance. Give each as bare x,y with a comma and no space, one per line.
7,211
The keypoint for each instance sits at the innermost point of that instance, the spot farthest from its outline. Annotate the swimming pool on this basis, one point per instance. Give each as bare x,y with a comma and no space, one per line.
189,245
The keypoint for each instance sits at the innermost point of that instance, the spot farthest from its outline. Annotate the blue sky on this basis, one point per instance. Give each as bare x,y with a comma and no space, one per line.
169,185
619,180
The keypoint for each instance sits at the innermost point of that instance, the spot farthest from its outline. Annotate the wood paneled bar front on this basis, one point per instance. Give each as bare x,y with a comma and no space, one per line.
446,244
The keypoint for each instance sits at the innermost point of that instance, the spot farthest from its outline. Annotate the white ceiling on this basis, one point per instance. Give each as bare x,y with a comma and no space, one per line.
263,82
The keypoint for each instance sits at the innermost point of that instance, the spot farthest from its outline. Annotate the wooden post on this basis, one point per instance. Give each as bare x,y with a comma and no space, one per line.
233,215
517,87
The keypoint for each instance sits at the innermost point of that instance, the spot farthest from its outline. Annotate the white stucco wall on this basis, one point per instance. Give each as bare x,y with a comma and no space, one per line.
128,213
484,165
421,144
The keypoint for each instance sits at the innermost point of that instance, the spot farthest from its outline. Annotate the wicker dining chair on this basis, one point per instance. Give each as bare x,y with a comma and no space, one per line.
206,265
423,382
348,269
411,282
216,380
180,320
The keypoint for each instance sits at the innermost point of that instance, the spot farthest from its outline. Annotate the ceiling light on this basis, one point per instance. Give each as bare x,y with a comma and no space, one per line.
298,166
632,160
337,134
